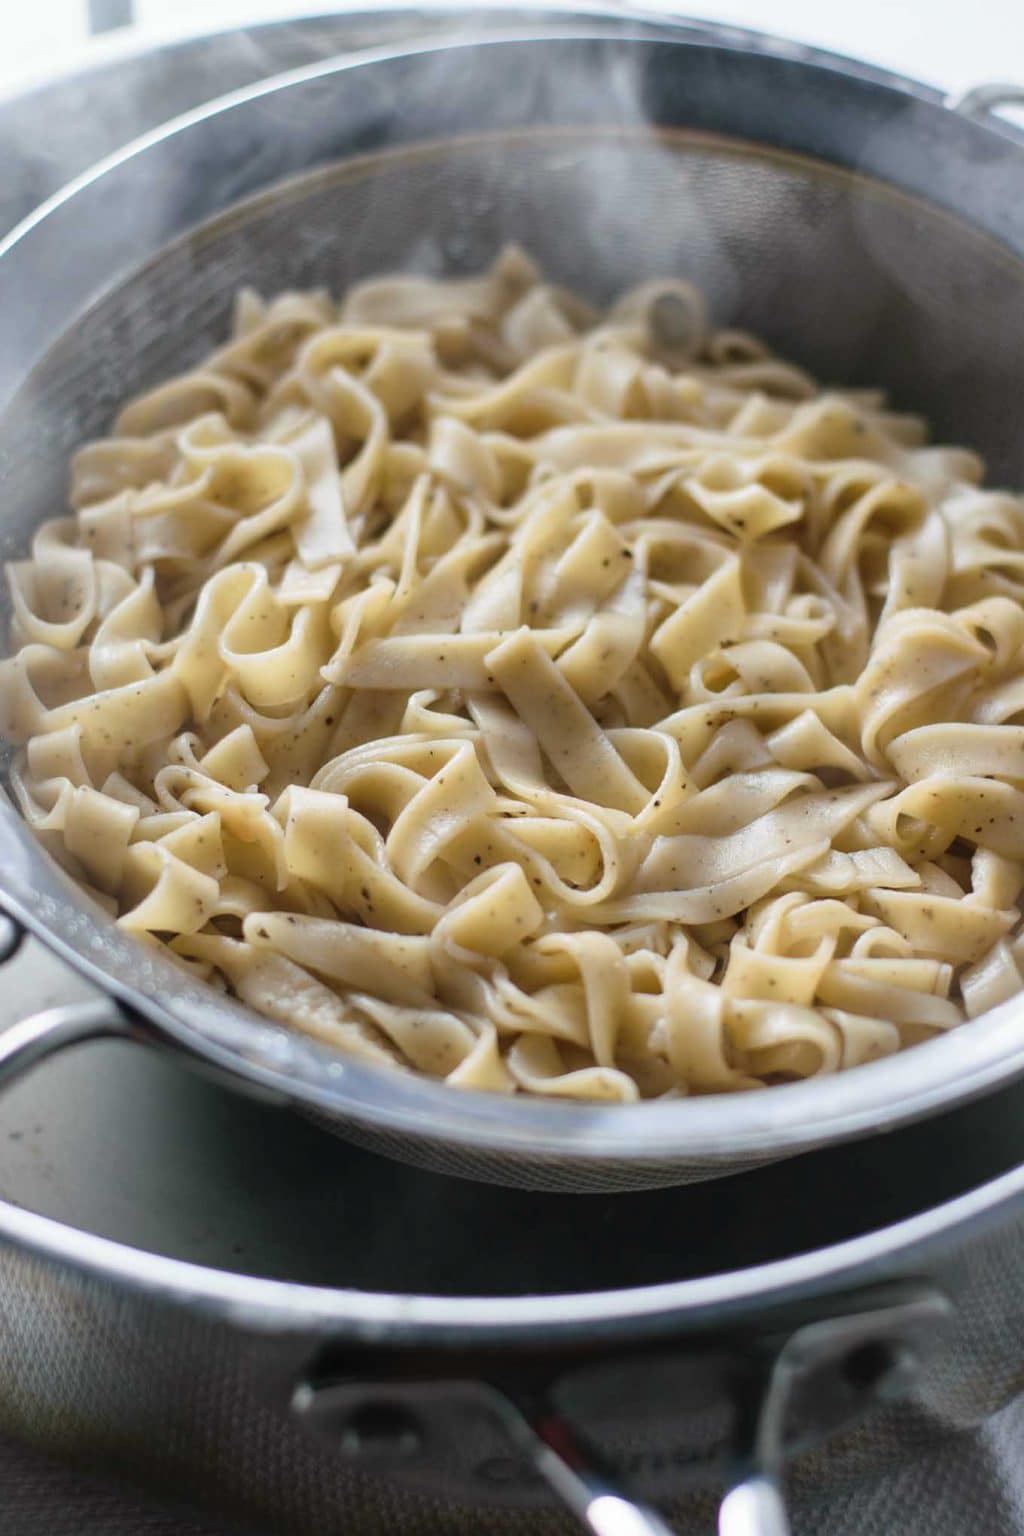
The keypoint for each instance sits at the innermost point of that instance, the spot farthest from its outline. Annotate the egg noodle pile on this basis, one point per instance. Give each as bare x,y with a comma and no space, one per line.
574,704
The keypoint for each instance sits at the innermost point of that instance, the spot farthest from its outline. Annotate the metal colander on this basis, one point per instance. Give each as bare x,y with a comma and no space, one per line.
813,205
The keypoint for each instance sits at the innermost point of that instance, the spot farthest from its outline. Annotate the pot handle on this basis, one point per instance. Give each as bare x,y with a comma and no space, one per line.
43,1034
981,101
381,1419
788,1388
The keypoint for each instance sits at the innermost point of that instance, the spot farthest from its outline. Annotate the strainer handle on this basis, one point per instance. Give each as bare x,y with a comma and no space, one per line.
981,101
31,1040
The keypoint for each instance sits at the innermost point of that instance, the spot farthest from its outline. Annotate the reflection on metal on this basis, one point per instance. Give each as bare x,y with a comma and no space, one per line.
32,1040
984,100
755,1508
565,1468
107,15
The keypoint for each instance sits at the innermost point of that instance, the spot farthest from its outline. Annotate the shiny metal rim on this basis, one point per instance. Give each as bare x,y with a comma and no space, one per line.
387,1317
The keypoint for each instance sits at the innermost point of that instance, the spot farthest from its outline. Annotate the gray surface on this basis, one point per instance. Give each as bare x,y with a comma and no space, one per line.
42,1496
965,1484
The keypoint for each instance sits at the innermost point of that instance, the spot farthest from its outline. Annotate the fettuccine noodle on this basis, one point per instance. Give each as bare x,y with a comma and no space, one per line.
578,705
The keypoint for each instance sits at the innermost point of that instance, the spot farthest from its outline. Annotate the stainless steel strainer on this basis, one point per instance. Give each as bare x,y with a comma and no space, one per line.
862,228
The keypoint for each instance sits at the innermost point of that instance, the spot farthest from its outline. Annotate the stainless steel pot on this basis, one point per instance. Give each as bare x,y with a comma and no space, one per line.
311,1407
735,1368
770,180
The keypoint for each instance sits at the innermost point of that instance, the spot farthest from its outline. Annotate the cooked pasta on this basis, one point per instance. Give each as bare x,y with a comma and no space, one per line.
573,704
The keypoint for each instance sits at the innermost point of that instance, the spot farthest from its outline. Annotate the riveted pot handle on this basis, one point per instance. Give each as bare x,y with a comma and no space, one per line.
388,1418
982,101
793,1385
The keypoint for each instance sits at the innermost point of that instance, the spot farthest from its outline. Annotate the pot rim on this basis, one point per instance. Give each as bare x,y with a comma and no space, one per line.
600,1317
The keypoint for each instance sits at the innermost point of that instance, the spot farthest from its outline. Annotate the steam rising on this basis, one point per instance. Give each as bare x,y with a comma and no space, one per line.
848,283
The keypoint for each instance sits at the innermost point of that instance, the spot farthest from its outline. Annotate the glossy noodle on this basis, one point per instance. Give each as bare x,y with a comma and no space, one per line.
572,704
